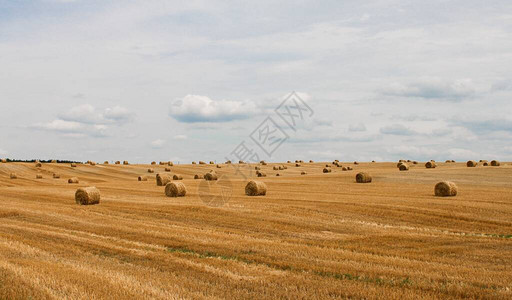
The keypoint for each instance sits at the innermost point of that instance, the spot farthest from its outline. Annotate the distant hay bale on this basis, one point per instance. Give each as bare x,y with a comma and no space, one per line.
241,162
142,178
210,176
432,160
483,160
175,189
4,160
356,163
87,196
38,165
13,176
92,163
445,189
404,167
471,163
39,176
275,168
56,176
303,173
161,163
126,163
151,171
453,161
277,174
257,168
255,188
193,162
296,161
288,161
327,170
162,179
495,163
297,165
197,176
73,180
105,162
118,162
212,163
336,160
228,162
430,165
414,162
170,164
167,169
408,160
349,168
219,166
327,165
373,161
363,177
153,162
177,177
202,162
261,174
262,162
280,167
448,161
344,169
311,161
338,164
402,160
486,164
399,164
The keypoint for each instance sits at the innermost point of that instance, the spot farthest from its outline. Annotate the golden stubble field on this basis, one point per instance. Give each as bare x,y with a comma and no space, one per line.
314,236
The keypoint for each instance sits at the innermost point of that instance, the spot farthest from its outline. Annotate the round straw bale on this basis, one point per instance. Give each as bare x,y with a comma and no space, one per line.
56,176
280,168
151,171
399,164
118,162
219,166
73,180
262,162
193,162
471,163
39,176
257,168
4,160
275,168
126,163
408,160
241,162
261,174
311,161
87,196
167,169
277,174
255,188
327,170
153,162
483,160
356,163
175,189
373,161
197,176
288,161
13,176
363,177
349,168
210,176
212,163
228,162
430,165
495,163
403,167
202,162
162,179
73,165
303,173
177,177
448,161
38,165
297,165
445,189
414,162
485,164
336,160
328,165
344,169
105,162
142,178
170,164
92,163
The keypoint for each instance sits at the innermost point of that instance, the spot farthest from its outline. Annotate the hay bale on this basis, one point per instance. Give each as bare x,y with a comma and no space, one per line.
170,164
228,162
349,168
162,179
257,168
281,168
297,165
167,169
241,162
118,162
197,176
261,174
219,166
373,161
311,161
448,161
327,170
212,163
356,163
399,164
87,196
153,162
73,180
177,177
175,189
495,163
275,168
202,162
38,165
277,174
471,163
408,160
445,189
404,167
486,164
142,178
4,160
288,161
13,176
73,165
483,160
125,163
430,165
151,171
363,177
39,176
303,173
262,162
255,188
92,163
402,160
344,169
56,176
105,162
210,176
193,162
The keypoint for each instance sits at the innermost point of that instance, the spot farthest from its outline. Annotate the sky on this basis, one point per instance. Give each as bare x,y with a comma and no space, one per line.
193,80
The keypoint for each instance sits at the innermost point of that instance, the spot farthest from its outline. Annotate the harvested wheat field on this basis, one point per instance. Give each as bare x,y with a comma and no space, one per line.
315,236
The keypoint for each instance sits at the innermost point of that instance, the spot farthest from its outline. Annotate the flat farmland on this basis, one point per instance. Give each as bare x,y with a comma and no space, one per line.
313,236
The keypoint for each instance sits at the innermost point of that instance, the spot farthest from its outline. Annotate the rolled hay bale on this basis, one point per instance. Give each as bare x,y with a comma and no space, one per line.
202,162
289,161
262,162
240,162
403,167
153,162
13,176
356,163
193,162
311,161
161,163
402,160
327,170
373,161
275,168
92,163
73,180
328,165
486,164
197,176
363,177
445,189
118,162
495,163
432,160
483,160
414,162
301,161
277,174
453,161
344,169
105,162
408,160
399,164
39,176
261,174
126,163
228,162
219,166
177,177
303,173
255,188
151,170
349,168
471,163
175,189
4,160
257,168
210,176
87,196
448,161
38,165
296,161
142,178
56,176
430,165
212,163
336,160
281,168
167,169
170,164
162,179
297,165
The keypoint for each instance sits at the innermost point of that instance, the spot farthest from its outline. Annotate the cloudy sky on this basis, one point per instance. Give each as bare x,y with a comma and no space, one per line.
191,80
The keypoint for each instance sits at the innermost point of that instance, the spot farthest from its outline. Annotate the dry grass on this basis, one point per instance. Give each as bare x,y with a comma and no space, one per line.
314,236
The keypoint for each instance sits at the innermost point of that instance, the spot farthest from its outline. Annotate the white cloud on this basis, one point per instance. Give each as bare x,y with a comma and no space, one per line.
359,127
180,137
396,129
434,88
61,126
158,144
196,108
73,129
88,114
